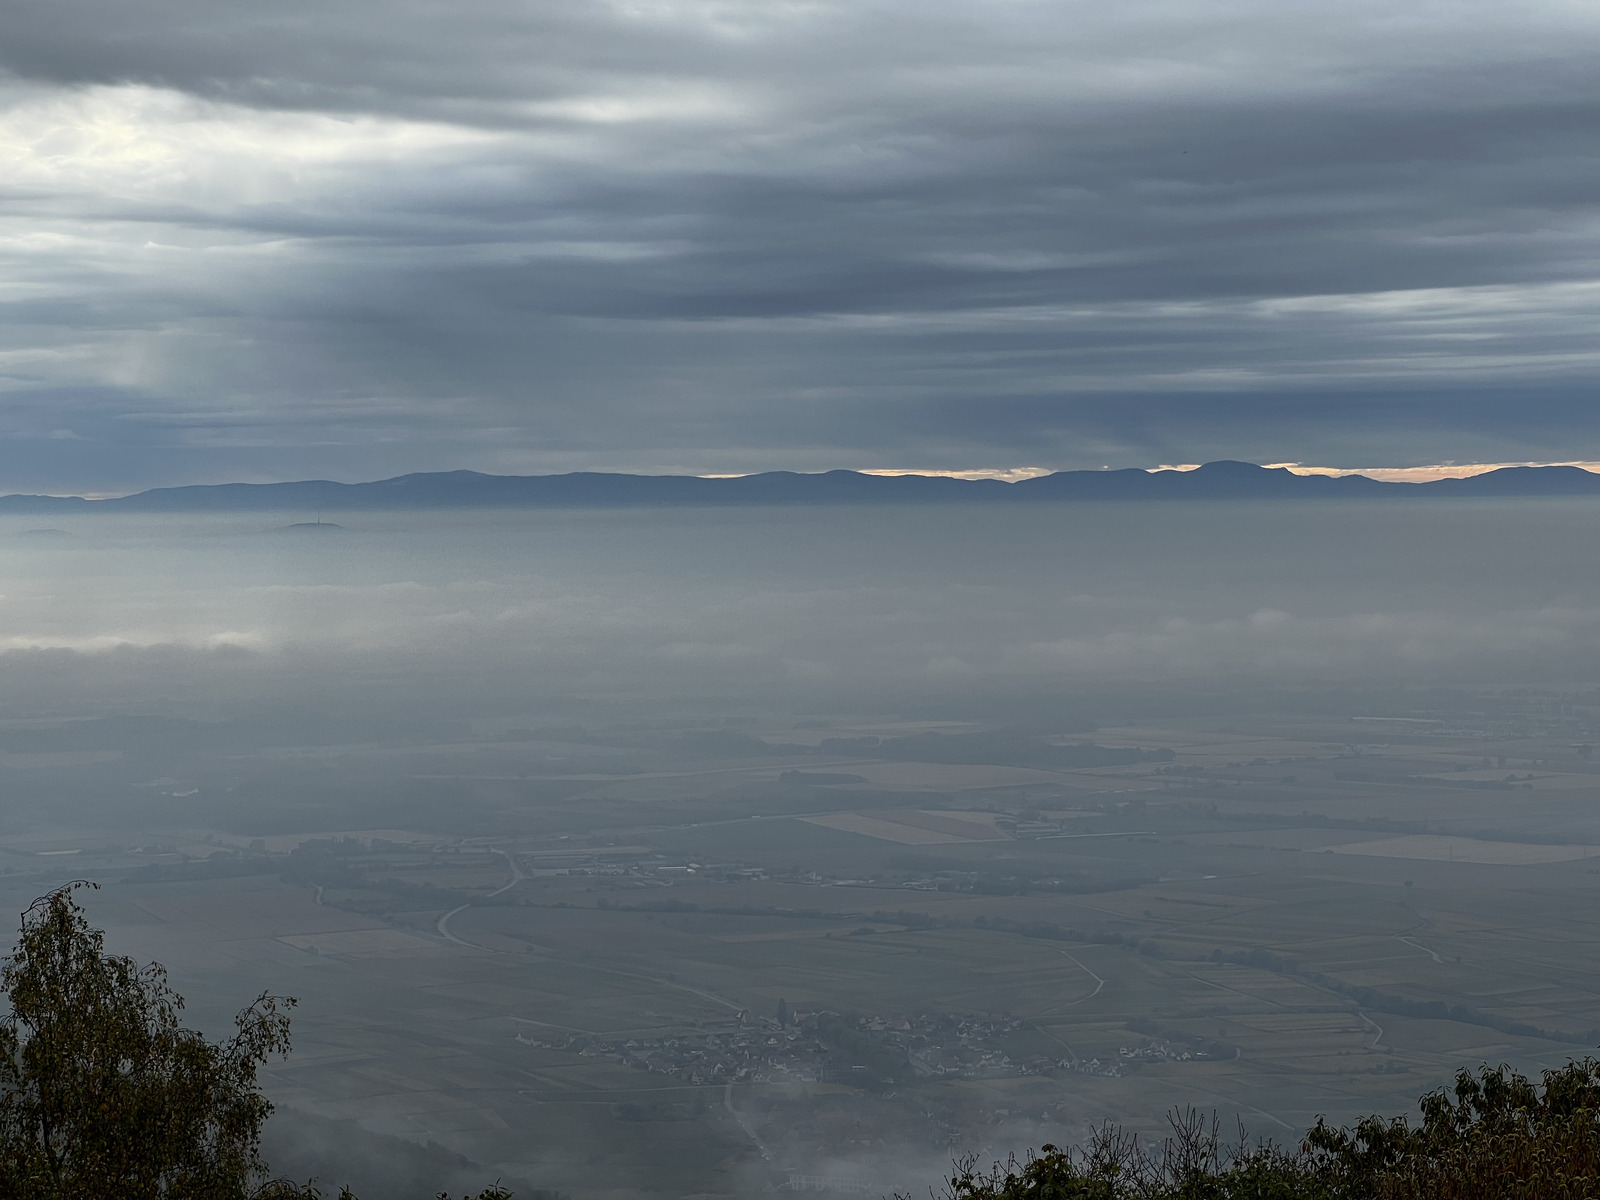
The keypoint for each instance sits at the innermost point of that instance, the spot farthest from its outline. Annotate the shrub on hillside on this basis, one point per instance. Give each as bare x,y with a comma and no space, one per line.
1495,1135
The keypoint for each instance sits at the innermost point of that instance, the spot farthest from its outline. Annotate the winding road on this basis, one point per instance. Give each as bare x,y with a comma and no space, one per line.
443,925
1416,945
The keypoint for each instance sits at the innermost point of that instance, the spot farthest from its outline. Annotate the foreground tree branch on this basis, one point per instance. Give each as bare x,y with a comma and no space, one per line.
104,1095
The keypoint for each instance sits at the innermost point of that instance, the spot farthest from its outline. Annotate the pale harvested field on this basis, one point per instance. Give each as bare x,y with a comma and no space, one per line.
915,827
977,827
283,843
1435,848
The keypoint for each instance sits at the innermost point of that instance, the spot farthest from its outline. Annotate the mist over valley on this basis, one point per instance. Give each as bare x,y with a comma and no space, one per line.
706,850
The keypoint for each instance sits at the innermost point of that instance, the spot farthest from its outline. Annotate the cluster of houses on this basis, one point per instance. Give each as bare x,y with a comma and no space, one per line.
737,1054
815,1047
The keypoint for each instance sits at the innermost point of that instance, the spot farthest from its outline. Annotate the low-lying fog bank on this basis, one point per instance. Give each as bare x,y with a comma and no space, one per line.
795,606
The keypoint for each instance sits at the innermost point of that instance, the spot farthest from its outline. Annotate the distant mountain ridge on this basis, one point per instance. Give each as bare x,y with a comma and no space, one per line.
1224,480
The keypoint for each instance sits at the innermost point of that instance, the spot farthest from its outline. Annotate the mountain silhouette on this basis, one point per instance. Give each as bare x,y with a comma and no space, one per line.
1226,480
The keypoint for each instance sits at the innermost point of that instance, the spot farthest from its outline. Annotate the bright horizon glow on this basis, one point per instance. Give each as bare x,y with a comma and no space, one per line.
1421,474
1004,474
1427,474
1416,474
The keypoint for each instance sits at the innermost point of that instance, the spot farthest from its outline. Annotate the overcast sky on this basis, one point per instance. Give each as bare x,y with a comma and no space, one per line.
254,241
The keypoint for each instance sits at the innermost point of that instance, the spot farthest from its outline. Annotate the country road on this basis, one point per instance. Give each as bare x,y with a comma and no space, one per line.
517,877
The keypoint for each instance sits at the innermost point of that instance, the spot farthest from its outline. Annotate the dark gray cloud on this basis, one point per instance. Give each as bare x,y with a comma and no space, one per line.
255,242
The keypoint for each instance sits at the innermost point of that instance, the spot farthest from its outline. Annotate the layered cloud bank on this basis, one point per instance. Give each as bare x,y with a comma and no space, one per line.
730,237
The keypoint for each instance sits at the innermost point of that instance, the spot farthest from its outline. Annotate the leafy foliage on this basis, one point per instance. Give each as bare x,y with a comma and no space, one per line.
104,1095
1192,1163
1495,1135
